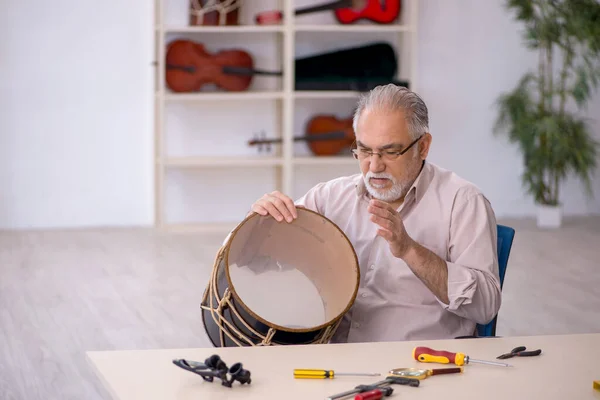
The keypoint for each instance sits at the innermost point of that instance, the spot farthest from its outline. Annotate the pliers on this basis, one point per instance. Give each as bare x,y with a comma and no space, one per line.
520,352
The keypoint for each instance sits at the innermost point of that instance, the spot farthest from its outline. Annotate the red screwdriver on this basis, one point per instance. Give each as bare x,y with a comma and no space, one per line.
375,394
425,354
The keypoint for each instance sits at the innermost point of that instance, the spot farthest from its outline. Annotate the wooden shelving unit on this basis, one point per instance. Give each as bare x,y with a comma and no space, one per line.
209,141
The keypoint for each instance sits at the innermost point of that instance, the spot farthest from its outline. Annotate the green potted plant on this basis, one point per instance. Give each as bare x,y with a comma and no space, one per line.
542,114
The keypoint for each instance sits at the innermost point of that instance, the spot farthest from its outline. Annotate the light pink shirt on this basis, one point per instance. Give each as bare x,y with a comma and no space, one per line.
446,214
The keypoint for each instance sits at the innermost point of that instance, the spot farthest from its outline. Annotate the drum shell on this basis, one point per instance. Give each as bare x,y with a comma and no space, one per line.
219,287
217,337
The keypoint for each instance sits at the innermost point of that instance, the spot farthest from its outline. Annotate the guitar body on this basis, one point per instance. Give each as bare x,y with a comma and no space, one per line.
190,67
380,11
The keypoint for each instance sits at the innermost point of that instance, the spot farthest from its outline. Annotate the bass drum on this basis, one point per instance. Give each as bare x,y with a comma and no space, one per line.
280,283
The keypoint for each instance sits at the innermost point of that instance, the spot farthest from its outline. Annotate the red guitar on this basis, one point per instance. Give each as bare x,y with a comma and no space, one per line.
346,11
381,11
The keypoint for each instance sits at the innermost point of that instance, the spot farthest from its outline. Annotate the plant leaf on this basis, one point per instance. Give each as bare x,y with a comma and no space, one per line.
581,88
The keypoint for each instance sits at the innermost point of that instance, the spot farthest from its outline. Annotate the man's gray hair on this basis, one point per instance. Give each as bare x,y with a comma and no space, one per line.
392,98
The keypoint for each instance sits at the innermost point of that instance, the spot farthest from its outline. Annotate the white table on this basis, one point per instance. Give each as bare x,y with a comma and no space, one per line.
566,369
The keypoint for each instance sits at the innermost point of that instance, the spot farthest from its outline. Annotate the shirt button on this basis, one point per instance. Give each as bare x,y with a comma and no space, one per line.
364,295
372,266
357,325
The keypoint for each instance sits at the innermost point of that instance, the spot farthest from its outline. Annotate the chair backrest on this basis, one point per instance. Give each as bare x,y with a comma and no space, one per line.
505,239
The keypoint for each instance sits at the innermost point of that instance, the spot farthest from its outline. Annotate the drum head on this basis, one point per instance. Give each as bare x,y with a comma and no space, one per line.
295,277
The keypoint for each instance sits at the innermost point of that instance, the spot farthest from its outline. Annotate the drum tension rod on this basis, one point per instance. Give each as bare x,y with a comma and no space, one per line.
214,367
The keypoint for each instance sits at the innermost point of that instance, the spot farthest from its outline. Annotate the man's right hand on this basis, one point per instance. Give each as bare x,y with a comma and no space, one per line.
277,205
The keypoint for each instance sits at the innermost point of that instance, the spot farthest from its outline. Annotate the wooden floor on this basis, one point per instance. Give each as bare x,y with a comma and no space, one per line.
62,293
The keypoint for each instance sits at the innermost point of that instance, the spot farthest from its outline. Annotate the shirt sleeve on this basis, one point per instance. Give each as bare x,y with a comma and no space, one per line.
314,199
473,278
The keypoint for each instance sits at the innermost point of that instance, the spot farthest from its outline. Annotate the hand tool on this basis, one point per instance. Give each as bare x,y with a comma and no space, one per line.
375,394
378,385
416,373
214,367
325,374
520,352
425,354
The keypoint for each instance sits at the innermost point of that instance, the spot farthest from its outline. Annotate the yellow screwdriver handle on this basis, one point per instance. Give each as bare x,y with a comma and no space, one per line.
313,374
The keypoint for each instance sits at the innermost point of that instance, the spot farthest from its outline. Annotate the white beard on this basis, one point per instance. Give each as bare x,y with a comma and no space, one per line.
394,193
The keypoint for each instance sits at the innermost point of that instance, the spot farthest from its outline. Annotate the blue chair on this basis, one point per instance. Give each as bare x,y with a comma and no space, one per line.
505,240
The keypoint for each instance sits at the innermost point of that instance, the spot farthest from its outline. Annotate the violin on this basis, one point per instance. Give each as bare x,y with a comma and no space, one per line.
327,135
190,66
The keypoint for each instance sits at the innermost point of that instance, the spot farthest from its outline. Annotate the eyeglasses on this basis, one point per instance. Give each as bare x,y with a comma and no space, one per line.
361,154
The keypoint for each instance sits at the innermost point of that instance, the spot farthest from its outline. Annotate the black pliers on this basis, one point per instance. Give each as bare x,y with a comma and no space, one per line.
520,352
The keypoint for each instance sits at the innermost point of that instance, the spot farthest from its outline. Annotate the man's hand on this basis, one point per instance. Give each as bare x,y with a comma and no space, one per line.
277,205
427,266
391,228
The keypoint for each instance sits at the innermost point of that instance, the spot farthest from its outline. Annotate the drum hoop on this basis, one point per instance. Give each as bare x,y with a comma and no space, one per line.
333,321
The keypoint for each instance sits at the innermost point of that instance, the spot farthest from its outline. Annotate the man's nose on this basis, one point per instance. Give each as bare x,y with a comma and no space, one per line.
376,164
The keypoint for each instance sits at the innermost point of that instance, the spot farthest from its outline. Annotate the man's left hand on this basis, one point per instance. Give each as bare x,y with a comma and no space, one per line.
391,227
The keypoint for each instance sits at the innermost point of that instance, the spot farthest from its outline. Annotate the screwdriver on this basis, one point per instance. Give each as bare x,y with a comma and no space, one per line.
425,354
375,394
390,380
326,374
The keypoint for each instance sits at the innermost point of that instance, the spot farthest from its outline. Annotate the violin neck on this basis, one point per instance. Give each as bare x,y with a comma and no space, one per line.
249,71
308,138
332,5
228,70
187,68
322,136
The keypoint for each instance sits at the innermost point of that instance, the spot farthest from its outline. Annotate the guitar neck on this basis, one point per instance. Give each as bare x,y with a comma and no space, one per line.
325,7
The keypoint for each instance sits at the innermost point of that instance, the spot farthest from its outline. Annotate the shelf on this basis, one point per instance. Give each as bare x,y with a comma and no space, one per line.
326,94
298,94
241,161
278,108
352,28
223,29
281,28
203,96
324,160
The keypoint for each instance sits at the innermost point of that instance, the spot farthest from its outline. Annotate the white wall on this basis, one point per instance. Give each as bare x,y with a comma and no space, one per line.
470,51
76,113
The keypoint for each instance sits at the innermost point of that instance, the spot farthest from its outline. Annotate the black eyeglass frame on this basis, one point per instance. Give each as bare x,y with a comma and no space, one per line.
396,153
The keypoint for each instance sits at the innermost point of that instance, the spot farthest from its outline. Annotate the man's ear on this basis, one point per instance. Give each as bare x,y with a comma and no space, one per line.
424,145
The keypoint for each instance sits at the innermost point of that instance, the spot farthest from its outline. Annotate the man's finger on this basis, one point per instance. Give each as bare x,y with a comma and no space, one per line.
288,202
383,222
259,209
281,207
384,233
382,204
382,212
272,209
